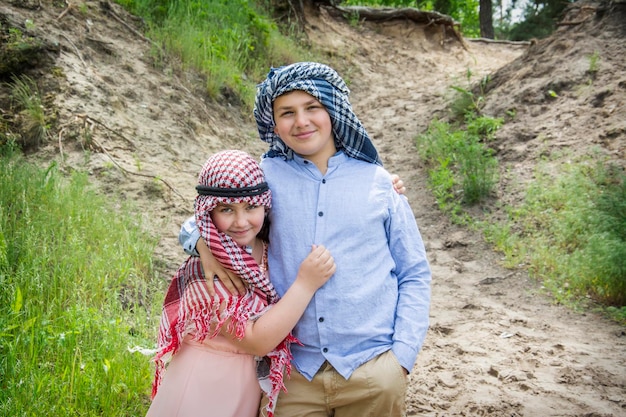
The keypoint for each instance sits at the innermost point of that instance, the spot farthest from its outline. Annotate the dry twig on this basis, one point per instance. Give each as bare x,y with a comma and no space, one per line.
109,9
87,120
156,177
66,10
75,49
96,121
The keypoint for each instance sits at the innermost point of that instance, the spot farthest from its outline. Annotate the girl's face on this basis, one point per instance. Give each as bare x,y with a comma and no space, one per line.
303,123
241,221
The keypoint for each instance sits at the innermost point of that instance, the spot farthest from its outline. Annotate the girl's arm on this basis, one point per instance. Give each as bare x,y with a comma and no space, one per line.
265,333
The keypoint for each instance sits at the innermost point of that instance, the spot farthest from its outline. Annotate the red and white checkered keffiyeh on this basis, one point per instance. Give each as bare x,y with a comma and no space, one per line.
227,177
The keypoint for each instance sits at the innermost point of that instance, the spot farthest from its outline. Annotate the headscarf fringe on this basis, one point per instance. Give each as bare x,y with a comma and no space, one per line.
204,320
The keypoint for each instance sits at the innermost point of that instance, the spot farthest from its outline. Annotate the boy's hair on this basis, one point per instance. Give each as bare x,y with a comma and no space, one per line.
325,84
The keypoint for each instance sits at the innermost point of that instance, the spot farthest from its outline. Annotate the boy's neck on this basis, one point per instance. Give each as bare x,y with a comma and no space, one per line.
322,165
320,160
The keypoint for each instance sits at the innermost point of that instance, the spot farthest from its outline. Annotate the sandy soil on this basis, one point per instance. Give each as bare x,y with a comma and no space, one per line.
498,346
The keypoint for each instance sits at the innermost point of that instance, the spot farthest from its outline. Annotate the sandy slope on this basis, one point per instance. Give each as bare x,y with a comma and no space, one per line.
497,346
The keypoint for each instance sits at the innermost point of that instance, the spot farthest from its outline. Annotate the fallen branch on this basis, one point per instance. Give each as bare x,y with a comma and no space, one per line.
501,41
106,6
61,132
86,118
374,14
101,148
573,23
67,9
75,49
385,14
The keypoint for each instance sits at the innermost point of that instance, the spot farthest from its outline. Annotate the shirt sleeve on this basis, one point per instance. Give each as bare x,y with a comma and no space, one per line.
414,283
188,236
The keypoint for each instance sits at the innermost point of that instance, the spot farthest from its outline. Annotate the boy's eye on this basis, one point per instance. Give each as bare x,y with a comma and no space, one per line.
252,206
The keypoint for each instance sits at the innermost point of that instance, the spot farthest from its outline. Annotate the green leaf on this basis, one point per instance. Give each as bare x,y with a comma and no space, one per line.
17,303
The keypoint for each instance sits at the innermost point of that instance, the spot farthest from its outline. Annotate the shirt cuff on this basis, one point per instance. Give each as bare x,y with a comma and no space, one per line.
188,238
405,354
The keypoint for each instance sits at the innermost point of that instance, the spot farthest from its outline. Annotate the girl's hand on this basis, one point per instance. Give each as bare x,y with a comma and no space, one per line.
317,268
398,184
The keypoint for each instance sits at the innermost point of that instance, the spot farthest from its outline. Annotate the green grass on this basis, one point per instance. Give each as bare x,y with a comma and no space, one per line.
77,285
26,99
77,290
461,167
233,43
569,232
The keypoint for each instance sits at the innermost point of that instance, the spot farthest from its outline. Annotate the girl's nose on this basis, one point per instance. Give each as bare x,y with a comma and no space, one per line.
240,219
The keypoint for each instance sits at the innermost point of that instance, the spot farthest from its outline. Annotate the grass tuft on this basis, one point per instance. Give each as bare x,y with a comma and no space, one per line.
77,290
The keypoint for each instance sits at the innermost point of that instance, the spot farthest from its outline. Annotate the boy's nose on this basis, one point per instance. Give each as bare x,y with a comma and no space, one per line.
301,119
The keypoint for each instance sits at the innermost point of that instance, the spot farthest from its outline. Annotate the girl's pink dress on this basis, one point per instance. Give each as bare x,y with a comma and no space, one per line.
207,374
208,379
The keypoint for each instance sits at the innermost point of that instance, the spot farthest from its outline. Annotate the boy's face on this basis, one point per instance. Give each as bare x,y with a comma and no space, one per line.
303,123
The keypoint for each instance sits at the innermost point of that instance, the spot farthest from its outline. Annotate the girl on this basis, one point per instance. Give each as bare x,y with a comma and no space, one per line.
213,339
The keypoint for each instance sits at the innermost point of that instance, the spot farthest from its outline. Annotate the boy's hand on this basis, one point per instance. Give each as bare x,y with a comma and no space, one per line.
212,268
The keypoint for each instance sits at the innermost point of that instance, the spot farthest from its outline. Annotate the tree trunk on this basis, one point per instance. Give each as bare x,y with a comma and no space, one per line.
485,15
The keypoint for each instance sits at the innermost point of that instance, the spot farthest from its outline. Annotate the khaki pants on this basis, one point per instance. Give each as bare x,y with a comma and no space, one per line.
375,389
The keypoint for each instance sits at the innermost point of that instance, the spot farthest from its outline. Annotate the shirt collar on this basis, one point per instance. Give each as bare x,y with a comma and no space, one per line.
334,160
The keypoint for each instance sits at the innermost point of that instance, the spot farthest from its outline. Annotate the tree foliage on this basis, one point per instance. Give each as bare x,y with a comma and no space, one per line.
539,19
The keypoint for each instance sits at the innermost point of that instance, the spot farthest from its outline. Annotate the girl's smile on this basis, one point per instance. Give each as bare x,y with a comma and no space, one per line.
241,221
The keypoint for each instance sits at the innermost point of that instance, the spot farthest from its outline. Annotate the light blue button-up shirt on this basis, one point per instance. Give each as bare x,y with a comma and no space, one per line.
379,297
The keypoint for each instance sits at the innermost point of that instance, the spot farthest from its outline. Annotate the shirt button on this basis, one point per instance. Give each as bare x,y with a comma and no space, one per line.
321,213
321,319
323,181
325,350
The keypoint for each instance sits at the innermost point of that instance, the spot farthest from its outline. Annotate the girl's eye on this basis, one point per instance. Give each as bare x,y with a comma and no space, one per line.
252,206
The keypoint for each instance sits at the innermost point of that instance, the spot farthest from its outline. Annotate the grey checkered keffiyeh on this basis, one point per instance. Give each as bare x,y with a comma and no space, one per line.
323,83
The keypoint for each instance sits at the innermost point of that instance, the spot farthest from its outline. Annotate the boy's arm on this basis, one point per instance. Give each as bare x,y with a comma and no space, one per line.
189,235
193,244
414,283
